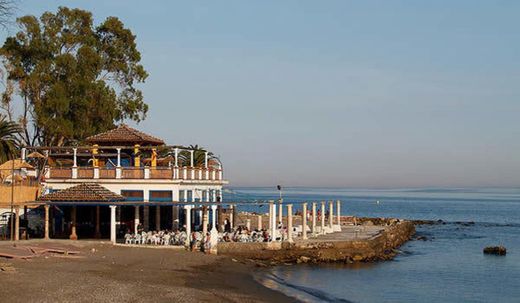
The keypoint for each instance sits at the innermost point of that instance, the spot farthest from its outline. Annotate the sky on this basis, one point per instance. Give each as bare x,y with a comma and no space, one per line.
373,94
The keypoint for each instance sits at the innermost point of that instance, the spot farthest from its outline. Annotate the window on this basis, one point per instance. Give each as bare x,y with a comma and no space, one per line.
133,195
182,197
189,196
204,195
161,195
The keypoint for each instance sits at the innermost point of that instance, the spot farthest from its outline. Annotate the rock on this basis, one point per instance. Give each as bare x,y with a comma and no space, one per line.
422,238
357,258
495,250
368,223
303,259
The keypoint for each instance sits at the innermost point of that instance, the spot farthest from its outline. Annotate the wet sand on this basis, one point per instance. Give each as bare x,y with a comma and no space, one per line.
106,273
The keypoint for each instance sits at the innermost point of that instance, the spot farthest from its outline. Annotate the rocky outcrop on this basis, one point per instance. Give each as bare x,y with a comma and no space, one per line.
495,250
380,247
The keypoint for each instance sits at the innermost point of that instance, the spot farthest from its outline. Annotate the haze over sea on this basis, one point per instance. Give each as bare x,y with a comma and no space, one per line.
448,267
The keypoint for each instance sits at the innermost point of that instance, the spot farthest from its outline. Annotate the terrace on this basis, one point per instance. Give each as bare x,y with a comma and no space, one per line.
126,153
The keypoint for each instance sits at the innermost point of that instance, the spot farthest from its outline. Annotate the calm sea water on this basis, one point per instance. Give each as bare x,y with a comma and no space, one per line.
449,267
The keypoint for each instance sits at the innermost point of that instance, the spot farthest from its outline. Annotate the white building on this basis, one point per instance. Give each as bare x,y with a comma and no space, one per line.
155,177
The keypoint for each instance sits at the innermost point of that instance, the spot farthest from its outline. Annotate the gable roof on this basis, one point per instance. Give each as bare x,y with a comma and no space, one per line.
84,192
124,134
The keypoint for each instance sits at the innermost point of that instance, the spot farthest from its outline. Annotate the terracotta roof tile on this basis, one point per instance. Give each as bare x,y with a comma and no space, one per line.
124,134
84,192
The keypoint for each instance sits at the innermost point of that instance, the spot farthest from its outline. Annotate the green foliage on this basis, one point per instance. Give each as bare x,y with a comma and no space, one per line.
199,155
8,139
75,79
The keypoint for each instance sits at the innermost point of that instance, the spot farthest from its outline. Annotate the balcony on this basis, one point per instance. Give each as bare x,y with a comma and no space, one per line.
135,173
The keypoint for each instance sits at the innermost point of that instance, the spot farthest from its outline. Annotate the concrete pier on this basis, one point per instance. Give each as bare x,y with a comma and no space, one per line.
352,244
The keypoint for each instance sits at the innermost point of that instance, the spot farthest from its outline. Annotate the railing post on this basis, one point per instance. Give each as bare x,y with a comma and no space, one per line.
200,174
119,172
185,173
96,172
75,160
147,173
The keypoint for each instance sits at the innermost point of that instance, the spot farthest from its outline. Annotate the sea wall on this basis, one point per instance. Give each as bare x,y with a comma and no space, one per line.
380,247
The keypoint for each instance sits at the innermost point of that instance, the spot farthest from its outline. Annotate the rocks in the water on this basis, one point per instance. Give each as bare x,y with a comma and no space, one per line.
303,259
495,250
422,238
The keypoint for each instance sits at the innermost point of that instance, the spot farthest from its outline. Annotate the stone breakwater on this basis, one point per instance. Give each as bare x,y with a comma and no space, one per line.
378,247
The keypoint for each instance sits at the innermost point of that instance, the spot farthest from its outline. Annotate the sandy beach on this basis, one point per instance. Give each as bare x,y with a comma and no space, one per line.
104,273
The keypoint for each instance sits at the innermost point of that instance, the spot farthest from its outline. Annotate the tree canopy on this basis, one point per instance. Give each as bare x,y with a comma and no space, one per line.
74,79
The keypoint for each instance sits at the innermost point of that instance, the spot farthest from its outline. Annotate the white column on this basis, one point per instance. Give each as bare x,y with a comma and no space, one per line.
206,160
337,227
304,221
248,224
338,210
119,173
136,218
331,215
147,173
313,226
113,224
191,157
214,231
214,217
280,213
273,223
188,224
232,216
176,164
118,157
259,225
75,164
22,156
289,223
75,160
322,217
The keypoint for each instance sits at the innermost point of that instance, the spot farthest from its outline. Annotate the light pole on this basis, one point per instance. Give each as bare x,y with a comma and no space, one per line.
280,211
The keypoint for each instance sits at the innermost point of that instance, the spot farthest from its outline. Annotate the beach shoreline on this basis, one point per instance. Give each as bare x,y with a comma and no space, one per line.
105,273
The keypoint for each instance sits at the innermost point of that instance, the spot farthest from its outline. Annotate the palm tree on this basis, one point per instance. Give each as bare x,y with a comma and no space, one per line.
8,139
199,155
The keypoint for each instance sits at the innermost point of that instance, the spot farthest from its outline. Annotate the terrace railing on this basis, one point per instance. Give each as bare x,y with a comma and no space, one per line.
135,173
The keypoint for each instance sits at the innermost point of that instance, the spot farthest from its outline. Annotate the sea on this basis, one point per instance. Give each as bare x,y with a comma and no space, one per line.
449,266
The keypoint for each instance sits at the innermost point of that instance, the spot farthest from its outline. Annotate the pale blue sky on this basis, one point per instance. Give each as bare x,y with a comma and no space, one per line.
333,93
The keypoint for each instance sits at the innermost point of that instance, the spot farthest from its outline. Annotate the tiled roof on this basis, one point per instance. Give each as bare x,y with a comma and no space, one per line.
84,192
124,134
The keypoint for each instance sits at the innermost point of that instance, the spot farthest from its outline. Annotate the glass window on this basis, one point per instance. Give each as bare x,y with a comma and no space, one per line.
161,195
133,195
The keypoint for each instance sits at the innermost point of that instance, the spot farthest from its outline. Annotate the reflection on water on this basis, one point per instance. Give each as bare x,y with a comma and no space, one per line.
448,267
